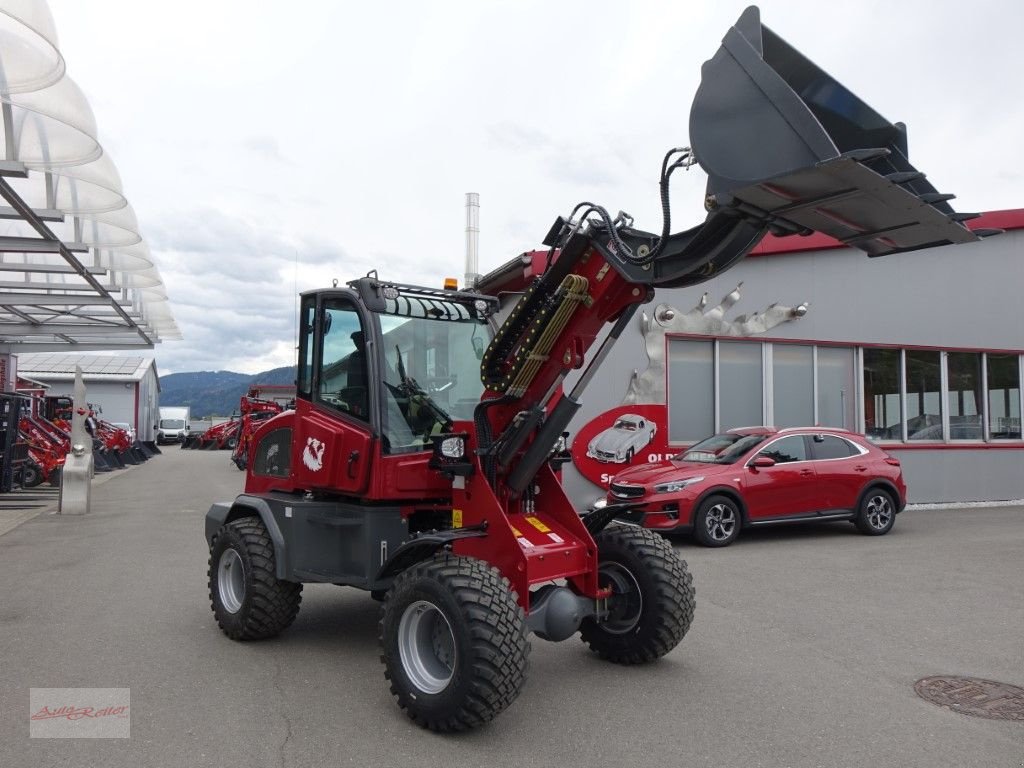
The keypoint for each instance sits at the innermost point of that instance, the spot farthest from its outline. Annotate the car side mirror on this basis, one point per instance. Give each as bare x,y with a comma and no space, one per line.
762,462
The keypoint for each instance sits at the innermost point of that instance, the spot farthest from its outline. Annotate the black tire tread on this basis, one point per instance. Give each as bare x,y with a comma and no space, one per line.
497,629
273,604
860,519
661,630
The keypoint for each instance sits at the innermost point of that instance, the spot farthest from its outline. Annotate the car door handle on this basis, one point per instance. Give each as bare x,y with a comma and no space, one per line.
352,459
860,468
806,472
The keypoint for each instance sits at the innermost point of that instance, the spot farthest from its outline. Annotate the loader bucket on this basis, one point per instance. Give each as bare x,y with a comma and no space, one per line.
786,144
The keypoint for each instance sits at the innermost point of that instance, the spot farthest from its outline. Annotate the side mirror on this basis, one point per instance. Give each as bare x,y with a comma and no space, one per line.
762,462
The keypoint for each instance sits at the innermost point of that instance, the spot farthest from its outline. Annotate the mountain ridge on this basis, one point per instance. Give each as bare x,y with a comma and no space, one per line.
216,393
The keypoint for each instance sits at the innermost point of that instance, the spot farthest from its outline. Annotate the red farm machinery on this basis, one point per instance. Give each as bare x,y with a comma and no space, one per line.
417,462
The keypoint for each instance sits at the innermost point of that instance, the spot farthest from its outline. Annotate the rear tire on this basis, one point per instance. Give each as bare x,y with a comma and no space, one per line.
248,600
453,641
653,597
876,514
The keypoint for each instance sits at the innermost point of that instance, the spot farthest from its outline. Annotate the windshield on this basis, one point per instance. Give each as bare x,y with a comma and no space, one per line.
172,423
431,371
629,426
720,449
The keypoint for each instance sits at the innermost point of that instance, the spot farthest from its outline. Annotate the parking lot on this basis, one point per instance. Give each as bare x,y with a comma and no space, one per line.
804,651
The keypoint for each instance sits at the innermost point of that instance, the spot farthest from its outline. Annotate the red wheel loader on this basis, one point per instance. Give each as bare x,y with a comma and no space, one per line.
254,411
417,461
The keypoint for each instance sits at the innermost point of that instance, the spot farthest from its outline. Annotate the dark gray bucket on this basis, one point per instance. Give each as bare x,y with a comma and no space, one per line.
785,143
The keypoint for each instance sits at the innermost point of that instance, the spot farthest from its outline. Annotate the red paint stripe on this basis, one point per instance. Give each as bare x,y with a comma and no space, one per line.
772,245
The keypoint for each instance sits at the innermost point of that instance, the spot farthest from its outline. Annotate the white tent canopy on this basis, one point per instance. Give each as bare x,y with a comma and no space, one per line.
75,271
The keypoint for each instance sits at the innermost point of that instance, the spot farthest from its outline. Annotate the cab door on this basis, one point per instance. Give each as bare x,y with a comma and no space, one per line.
334,431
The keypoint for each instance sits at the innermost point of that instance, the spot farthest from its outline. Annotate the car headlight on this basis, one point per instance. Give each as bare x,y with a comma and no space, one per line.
674,486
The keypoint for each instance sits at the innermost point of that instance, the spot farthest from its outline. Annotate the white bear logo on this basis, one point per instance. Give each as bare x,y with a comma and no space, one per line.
313,454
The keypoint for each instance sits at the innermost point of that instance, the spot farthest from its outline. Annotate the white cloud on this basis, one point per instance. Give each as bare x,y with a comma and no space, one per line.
267,147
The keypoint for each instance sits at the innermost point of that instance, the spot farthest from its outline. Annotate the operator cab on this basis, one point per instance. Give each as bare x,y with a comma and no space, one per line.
382,368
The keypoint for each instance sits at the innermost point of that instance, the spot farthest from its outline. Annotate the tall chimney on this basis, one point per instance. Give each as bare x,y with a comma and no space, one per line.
472,239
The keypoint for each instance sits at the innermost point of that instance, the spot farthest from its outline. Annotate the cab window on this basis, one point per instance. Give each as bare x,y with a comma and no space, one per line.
342,383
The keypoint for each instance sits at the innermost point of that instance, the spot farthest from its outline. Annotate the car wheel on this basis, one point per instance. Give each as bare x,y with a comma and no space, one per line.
717,523
877,513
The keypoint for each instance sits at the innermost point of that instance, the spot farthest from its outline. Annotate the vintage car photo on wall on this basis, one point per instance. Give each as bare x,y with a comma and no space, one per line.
618,444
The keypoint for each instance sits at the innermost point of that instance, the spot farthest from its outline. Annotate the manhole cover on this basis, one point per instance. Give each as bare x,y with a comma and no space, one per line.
974,696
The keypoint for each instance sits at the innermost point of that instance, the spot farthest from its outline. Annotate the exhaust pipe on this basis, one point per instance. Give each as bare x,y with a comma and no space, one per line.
472,240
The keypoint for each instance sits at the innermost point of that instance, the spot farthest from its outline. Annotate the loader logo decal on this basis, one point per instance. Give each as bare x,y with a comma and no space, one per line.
313,454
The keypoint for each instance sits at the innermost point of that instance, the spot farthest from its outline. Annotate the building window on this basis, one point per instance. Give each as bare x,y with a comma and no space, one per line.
882,416
924,395
1003,396
691,390
963,395
836,388
740,384
792,385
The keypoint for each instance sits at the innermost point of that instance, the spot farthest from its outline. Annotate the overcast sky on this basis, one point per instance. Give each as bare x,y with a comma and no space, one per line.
269,147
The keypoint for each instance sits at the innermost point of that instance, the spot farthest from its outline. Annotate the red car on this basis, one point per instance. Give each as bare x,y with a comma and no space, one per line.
760,476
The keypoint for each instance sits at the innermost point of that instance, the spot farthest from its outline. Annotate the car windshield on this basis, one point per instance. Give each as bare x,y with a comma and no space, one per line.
172,424
720,449
629,426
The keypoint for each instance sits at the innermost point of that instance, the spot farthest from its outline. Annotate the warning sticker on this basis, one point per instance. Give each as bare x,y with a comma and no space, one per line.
536,523
456,518
516,532
556,538
524,542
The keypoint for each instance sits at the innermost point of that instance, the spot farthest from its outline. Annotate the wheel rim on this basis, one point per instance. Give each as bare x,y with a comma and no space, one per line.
879,512
720,522
627,602
426,645
231,581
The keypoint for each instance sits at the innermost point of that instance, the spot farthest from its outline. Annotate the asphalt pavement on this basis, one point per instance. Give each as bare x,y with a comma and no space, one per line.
804,651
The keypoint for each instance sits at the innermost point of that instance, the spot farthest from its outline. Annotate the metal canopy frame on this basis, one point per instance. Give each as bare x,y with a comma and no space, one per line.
86,313
75,274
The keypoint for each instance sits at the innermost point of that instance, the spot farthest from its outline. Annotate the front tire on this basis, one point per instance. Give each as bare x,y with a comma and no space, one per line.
453,640
31,475
653,598
717,522
248,600
876,514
